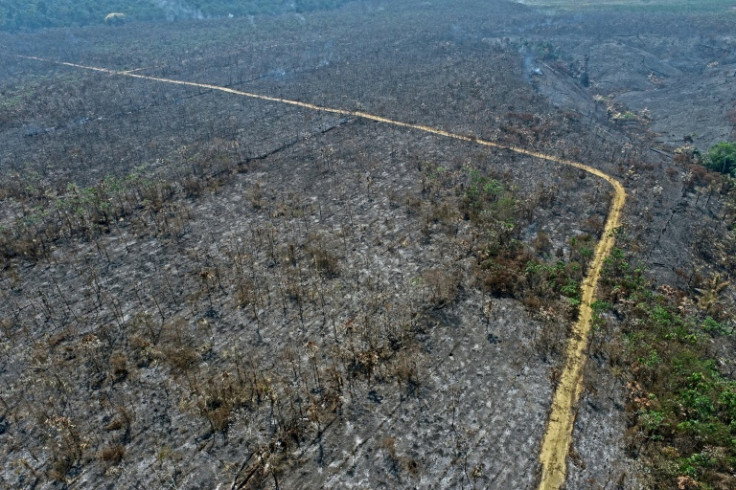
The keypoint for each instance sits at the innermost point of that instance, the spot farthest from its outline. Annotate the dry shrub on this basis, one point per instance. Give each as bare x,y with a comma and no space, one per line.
364,363
222,394
697,175
123,419
177,344
59,468
550,341
444,286
256,196
137,342
6,326
443,213
542,243
293,290
218,416
116,424
246,293
413,205
181,358
503,275
532,302
327,263
406,371
594,224
119,365
397,461
141,351
682,159
57,338
66,445
389,444
192,186
499,279
111,454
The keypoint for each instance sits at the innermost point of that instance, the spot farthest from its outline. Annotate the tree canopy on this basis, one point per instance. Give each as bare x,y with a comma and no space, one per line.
722,158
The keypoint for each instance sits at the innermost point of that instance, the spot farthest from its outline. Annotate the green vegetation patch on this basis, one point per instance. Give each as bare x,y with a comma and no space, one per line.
682,408
722,158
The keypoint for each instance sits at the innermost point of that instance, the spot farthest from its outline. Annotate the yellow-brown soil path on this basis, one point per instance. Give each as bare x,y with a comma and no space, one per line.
558,436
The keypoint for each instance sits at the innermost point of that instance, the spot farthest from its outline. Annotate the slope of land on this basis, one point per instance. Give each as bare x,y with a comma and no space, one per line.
24,16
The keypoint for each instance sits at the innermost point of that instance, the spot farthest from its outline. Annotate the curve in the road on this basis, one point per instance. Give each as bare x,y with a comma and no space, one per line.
558,436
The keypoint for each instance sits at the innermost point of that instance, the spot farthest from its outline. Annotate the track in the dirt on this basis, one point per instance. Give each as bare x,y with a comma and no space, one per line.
558,436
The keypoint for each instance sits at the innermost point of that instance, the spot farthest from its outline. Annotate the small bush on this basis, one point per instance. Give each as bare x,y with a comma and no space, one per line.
112,454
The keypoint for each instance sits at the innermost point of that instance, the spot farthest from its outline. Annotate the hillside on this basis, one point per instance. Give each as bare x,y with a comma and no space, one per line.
21,16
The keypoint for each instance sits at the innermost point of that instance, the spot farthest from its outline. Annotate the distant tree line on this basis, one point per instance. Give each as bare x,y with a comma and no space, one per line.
36,14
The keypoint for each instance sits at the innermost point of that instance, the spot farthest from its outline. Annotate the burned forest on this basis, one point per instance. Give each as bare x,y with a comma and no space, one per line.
368,244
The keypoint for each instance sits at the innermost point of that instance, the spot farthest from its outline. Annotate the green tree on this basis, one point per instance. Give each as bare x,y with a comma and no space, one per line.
722,158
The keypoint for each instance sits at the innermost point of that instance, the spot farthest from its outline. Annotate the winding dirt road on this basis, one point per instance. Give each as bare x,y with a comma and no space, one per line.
558,436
